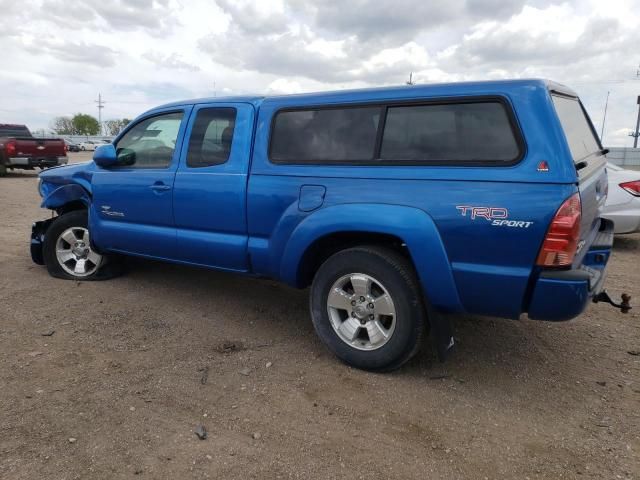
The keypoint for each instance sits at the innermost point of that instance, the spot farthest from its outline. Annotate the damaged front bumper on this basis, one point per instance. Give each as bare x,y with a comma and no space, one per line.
38,231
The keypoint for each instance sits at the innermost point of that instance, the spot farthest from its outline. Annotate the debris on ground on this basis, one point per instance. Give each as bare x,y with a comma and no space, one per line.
201,432
205,374
229,346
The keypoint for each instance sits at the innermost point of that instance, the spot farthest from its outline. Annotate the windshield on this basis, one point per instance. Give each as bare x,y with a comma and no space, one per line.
613,167
577,127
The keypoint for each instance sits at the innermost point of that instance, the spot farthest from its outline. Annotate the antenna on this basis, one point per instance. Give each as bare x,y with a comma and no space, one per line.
100,103
604,118
410,81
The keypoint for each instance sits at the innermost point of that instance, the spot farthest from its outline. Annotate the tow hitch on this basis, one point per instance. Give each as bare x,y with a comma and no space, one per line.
624,305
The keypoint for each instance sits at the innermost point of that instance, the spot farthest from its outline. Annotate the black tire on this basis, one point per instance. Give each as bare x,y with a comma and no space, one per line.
3,169
400,282
108,267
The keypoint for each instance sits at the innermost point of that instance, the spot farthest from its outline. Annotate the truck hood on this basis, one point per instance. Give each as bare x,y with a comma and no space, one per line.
79,173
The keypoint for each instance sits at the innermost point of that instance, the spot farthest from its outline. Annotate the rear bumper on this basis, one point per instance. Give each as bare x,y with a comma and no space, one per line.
31,162
563,294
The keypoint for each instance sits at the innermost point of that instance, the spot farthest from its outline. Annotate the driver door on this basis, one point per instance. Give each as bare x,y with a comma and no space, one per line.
132,207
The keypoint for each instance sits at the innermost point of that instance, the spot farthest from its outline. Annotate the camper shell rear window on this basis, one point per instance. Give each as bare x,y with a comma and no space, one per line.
577,127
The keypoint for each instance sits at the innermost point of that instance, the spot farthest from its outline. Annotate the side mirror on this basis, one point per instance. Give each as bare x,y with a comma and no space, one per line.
105,156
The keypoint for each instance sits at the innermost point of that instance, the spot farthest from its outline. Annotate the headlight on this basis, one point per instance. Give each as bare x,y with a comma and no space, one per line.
41,188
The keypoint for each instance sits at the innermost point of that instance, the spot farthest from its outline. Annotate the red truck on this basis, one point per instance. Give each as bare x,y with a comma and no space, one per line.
20,149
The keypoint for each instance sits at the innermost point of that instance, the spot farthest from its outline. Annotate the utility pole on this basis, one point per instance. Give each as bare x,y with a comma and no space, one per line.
100,103
636,135
604,119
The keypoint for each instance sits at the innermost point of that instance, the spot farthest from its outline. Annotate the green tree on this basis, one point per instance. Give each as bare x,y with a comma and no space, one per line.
62,126
114,127
84,124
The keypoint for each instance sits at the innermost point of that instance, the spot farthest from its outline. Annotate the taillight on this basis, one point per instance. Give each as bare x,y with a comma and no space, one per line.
561,241
10,148
632,187
66,148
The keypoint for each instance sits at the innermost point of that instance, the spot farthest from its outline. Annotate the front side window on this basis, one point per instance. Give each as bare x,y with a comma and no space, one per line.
577,129
151,142
211,137
456,132
325,135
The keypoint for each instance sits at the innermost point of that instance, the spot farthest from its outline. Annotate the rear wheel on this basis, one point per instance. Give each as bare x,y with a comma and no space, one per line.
68,252
367,307
3,170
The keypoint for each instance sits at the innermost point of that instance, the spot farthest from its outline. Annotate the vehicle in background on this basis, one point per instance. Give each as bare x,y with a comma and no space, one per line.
396,206
19,149
89,145
623,200
71,147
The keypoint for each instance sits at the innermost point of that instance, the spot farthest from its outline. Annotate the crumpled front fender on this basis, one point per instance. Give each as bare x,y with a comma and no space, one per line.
65,194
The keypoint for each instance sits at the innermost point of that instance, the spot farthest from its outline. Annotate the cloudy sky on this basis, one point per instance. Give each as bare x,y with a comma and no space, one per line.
57,55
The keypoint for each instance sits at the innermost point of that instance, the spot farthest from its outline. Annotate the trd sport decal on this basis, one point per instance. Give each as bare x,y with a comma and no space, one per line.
498,216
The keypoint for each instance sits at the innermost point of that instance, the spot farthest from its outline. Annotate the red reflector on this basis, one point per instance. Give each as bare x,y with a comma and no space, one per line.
543,166
561,241
632,187
10,148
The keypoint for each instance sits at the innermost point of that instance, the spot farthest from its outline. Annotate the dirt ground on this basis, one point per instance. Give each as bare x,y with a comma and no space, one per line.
109,380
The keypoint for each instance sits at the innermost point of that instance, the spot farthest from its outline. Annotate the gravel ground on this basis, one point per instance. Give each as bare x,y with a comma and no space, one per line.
110,380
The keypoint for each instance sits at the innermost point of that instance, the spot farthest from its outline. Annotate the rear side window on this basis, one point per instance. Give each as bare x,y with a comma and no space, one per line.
462,132
577,127
211,137
325,135
459,132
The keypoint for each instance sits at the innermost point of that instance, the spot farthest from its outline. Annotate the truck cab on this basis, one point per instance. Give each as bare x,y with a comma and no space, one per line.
397,206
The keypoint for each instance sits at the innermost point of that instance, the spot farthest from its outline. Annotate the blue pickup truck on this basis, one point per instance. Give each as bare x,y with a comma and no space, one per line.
396,206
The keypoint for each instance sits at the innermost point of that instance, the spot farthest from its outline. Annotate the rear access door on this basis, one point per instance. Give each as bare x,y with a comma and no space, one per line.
210,187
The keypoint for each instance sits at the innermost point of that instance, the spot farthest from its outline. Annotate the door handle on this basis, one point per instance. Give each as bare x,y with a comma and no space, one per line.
159,187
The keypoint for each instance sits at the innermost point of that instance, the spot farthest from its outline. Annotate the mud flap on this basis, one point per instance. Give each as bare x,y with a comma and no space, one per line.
441,333
38,230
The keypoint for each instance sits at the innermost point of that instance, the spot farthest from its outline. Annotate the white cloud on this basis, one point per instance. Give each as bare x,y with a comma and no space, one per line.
59,54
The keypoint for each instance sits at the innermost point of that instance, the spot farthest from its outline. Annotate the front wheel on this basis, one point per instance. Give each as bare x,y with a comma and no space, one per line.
367,307
68,252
